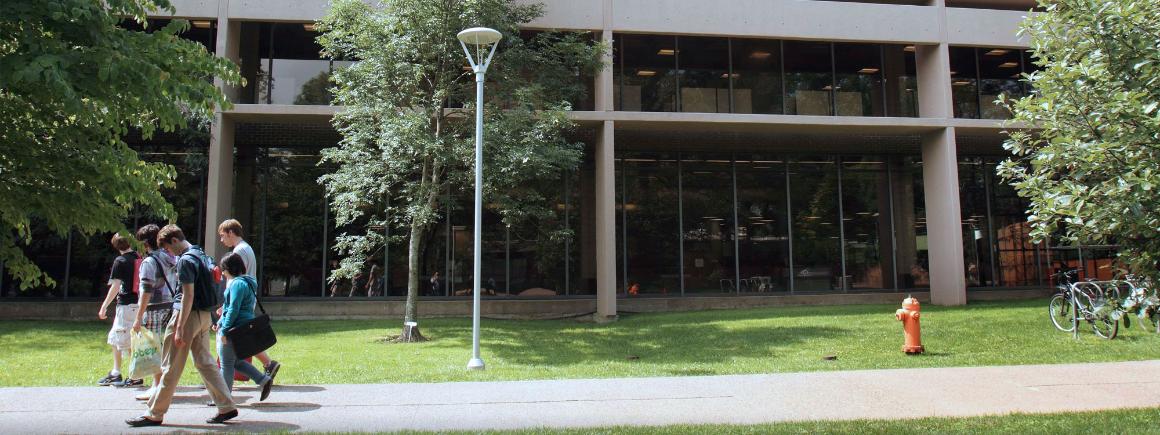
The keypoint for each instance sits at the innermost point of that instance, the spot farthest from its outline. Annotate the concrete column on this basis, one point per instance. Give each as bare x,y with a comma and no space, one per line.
605,225
940,173
604,80
220,188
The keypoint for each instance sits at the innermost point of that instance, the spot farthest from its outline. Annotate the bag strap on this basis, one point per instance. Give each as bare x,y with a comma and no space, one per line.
256,299
164,276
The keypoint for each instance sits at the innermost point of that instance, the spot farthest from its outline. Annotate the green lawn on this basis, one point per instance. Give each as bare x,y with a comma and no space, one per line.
39,353
1123,421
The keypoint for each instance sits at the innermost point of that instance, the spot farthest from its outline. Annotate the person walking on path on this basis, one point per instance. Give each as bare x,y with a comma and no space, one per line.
188,332
158,278
230,234
121,289
238,308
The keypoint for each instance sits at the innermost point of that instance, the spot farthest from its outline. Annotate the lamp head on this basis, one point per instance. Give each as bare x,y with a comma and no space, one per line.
479,36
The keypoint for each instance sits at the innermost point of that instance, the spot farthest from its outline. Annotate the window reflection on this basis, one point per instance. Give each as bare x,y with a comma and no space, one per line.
648,227
817,262
707,186
757,76
973,192
704,74
901,79
645,69
809,79
912,261
866,222
999,71
964,82
763,227
282,64
859,89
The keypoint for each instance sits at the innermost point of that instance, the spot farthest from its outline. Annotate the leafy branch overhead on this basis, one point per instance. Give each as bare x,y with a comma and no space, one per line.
408,131
1090,168
73,83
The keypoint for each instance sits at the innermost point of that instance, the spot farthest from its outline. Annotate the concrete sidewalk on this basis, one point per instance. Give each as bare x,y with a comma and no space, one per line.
739,399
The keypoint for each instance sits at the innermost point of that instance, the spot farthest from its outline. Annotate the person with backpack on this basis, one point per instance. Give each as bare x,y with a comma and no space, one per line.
238,308
188,332
158,278
122,278
230,233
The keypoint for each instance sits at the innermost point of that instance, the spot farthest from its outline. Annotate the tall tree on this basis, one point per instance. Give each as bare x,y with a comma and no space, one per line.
1091,168
407,125
73,82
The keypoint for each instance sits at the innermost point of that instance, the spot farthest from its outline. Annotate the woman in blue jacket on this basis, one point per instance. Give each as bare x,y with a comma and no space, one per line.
238,308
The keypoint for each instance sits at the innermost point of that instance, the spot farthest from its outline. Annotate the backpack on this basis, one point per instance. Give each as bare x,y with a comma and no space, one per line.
205,294
137,274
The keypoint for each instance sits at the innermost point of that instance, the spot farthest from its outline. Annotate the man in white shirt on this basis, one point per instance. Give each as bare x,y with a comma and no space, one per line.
230,233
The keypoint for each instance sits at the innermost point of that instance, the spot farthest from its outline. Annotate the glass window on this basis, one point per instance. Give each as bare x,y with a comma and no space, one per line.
646,73
707,187
282,64
763,227
704,74
1017,258
999,70
901,78
648,223
973,178
910,222
757,76
964,82
809,79
817,260
859,90
866,222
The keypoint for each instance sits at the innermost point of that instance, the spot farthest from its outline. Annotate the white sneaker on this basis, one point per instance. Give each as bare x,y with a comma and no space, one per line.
145,395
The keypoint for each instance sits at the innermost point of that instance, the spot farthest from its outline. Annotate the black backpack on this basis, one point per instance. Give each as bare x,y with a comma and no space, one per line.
205,293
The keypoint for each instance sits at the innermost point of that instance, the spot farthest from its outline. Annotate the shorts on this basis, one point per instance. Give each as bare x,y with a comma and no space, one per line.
156,320
122,324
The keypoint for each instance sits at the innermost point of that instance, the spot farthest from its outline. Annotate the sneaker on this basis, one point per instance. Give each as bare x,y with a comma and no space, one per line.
272,368
142,421
223,417
110,380
130,383
146,395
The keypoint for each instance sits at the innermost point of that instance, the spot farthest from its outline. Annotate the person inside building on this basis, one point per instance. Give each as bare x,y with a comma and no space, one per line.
121,281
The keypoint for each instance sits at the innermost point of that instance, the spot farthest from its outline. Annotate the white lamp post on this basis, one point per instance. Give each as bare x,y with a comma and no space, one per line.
480,38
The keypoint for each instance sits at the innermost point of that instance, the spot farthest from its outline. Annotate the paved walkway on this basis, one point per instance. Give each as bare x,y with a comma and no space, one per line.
739,399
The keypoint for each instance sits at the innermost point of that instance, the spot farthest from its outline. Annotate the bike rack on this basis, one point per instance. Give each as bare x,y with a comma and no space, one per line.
1101,288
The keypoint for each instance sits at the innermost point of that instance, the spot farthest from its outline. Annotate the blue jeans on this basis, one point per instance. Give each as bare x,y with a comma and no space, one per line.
230,363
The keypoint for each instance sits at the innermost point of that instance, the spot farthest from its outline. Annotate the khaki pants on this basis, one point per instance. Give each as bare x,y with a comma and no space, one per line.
173,359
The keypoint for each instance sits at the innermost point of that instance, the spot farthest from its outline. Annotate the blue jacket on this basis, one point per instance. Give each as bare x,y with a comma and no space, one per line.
239,302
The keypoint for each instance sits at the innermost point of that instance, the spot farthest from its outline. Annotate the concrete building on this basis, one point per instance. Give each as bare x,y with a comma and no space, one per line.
745,149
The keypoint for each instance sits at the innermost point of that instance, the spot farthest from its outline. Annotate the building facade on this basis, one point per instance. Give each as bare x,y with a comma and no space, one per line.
746,147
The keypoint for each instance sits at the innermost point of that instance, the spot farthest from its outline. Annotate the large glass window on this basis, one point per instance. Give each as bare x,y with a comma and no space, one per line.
910,240
974,176
901,77
648,228
1018,260
704,79
282,64
858,78
809,78
817,257
646,72
763,223
999,72
866,222
757,76
707,187
964,82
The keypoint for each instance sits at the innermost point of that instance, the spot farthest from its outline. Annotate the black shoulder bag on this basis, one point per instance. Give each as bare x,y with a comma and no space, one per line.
253,336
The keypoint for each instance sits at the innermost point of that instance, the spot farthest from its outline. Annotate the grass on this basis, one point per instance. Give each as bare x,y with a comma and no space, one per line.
1124,421
785,339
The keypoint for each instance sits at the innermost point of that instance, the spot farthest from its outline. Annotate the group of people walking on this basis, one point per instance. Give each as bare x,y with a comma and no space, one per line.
173,292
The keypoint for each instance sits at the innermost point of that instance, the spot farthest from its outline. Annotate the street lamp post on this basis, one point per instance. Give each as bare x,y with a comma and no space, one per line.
480,38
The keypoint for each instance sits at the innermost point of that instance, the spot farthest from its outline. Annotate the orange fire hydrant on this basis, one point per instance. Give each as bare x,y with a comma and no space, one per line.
909,317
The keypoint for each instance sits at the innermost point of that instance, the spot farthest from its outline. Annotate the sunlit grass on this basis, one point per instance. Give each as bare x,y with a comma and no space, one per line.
760,340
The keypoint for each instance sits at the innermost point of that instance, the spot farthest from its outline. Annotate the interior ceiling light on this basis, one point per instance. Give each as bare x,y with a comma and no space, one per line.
1008,64
868,70
666,52
996,52
309,27
200,24
646,73
908,48
760,54
827,88
961,83
727,75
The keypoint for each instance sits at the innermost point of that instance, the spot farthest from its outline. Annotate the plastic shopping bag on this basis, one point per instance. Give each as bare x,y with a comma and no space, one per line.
145,360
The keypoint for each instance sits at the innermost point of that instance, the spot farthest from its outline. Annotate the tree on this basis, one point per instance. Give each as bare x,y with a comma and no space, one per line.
72,84
408,124
1091,168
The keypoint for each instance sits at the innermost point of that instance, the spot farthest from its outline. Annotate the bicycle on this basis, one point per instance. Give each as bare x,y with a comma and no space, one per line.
1091,302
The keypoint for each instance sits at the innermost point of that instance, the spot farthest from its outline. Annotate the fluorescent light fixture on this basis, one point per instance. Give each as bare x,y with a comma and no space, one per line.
1008,64
308,26
961,83
953,72
868,70
717,161
727,75
201,24
646,73
996,52
827,88
760,55
666,52
908,48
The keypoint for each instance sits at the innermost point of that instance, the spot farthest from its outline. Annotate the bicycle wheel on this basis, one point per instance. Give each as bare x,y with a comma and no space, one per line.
1105,327
1060,311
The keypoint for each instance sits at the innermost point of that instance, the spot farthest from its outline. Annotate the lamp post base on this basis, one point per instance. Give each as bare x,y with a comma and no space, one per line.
475,364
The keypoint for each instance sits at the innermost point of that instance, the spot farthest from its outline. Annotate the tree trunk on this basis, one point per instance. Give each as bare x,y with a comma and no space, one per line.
414,250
